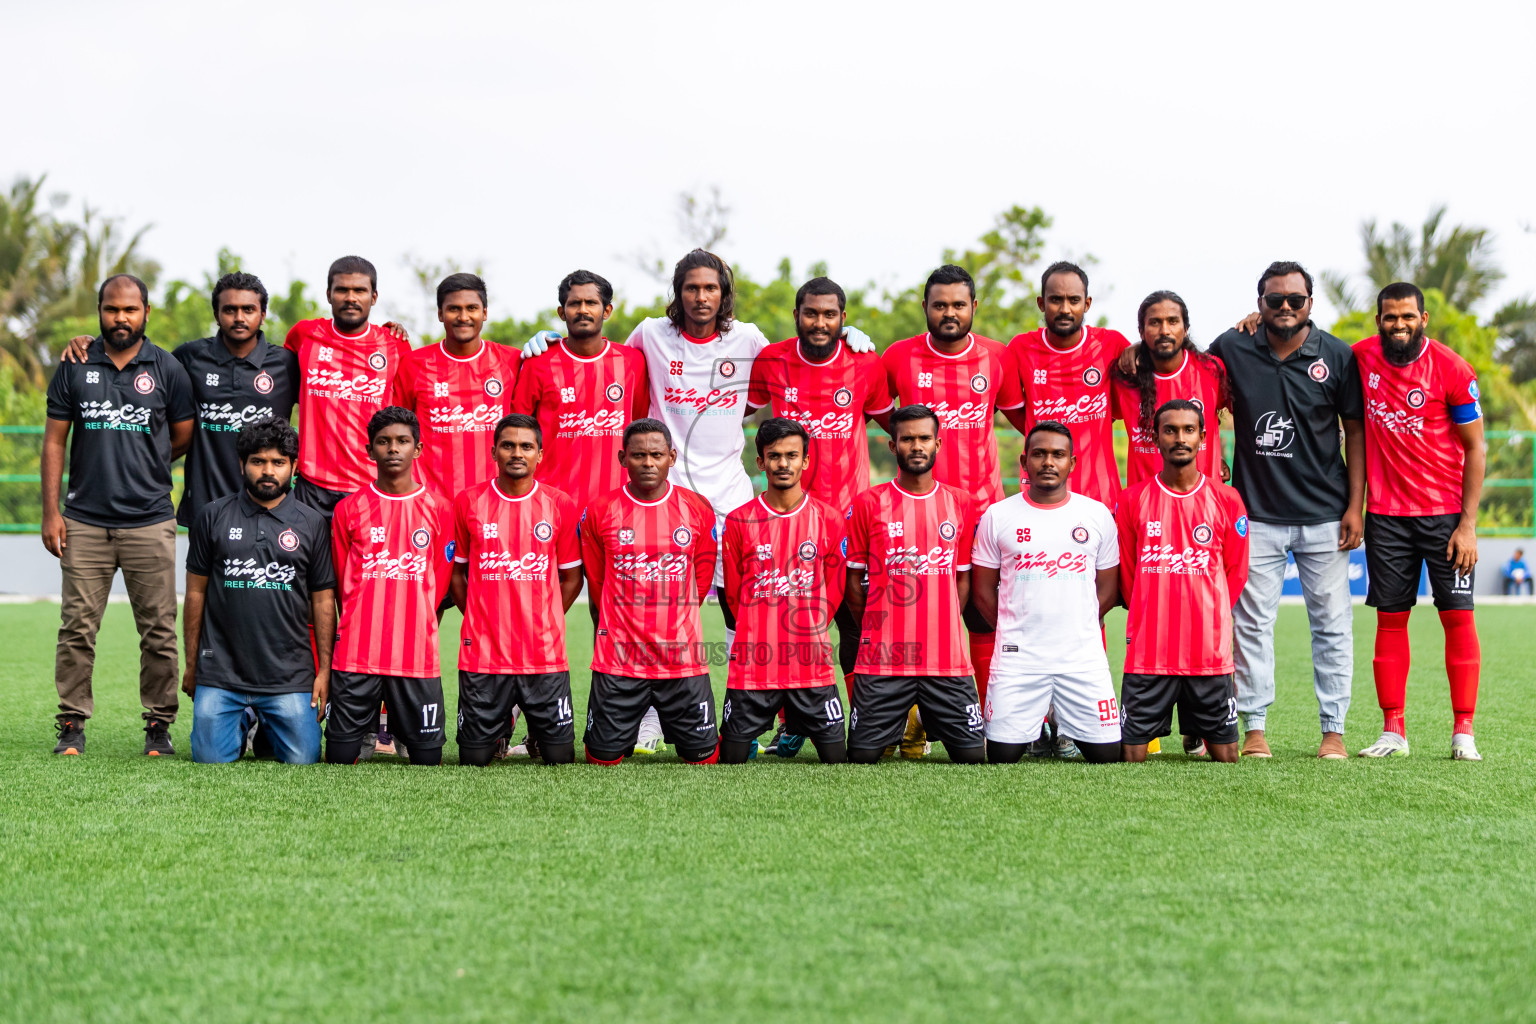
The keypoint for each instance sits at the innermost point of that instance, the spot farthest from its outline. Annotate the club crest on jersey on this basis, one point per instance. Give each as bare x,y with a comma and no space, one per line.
1080,534
615,392
378,361
1202,534
979,383
1092,376
1241,526
947,530
1318,371
493,387
263,383
448,550
421,537
288,540
1472,390
1416,398
807,551
542,530
144,383
843,398
682,536
727,368
626,536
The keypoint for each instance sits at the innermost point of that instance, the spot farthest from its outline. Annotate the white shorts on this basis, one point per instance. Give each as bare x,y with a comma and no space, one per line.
1084,699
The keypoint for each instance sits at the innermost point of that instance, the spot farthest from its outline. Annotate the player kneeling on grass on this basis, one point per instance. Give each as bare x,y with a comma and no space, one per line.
784,582
1045,570
1183,562
516,571
913,536
258,574
649,552
384,539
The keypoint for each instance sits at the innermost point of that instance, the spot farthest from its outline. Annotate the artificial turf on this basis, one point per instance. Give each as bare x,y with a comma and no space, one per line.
1293,889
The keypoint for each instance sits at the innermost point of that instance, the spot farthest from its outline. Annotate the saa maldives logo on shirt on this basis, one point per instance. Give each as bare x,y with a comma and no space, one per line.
727,369
144,383
842,398
1080,534
1416,398
682,536
378,361
288,540
615,392
421,537
947,530
979,383
1318,371
263,383
493,387
807,551
542,530
1092,376
1202,534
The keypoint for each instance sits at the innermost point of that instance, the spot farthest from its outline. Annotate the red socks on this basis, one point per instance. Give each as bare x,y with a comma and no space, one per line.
1463,660
1390,666
982,646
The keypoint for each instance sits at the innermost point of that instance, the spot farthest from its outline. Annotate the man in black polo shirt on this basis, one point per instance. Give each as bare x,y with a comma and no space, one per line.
130,406
258,574
238,377
1292,386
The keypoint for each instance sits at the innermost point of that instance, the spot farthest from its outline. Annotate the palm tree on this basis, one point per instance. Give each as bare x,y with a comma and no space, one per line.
1458,261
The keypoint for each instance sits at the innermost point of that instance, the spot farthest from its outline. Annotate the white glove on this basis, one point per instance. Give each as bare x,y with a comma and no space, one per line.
857,340
539,343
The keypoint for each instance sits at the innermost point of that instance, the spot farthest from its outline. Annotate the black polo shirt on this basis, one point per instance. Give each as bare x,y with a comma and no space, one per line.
229,393
262,565
120,448
1287,463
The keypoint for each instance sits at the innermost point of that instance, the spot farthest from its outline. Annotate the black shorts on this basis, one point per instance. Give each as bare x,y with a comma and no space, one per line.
1395,547
485,707
814,711
950,708
321,499
415,708
1207,707
616,705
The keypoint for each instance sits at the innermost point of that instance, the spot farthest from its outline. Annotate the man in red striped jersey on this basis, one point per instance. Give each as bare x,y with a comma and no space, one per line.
1168,365
517,570
913,537
346,369
783,580
1183,563
1424,471
583,392
649,553
965,379
384,538
459,389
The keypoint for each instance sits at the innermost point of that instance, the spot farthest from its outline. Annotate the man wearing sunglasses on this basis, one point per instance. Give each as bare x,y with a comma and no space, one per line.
1292,385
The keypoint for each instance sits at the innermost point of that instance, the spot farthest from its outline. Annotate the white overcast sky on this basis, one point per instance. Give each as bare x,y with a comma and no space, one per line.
1183,144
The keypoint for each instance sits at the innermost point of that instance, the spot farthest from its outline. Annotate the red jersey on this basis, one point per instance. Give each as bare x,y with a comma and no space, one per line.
649,565
912,545
1196,380
1183,563
830,400
1413,455
512,550
784,574
459,402
583,405
965,390
1072,387
386,547
344,379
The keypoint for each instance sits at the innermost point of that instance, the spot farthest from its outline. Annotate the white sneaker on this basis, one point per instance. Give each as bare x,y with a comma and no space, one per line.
650,745
1390,744
1464,748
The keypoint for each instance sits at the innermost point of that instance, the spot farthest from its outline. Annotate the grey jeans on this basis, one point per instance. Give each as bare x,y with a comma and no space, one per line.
1324,573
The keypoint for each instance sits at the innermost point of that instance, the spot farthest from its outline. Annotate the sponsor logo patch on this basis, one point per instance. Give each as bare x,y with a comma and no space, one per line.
1241,526
1416,398
1318,371
1202,534
493,387
979,383
1472,390
421,537
615,392
263,383
947,530
807,551
144,383
626,536
843,398
542,530
1092,376
1080,534
378,361
288,540
682,536
727,368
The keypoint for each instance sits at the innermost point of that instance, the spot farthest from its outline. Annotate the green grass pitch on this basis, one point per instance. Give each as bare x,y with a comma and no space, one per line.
1292,890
